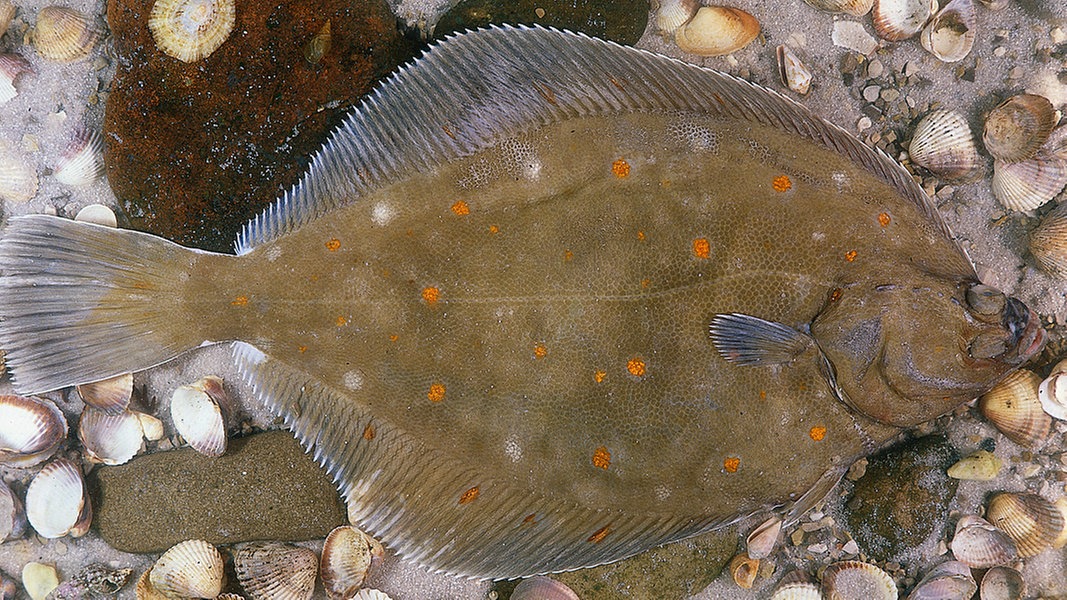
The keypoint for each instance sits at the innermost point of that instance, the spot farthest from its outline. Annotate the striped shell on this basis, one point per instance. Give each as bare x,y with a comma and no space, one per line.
63,34
716,31
276,571
57,501
190,30
947,581
943,144
1018,127
1028,184
31,429
111,439
542,588
1048,243
1013,408
1034,523
1003,583
190,569
146,591
672,14
896,20
199,412
12,66
109,395
980,545
347,557
854,580
370,595
83,161
856,8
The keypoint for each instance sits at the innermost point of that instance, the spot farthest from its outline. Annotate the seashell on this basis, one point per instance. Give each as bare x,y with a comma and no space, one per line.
856,8
1002,583
190,569
347,556
943,144
1028,184
851,579
797,590
542,588
744,569
229,597
12,515
947,581
896,20
18,178
276,571
1013,408
190,30
111,439
319,44
151,427
63,34
7,12
39,580
200,417
1017,128
92,581
370,595
716,31
762,540
1048,244
672,14
794,73
1035,524
83,161
12,66
980,466
146,591
950,34
1052,393
57,501
109,395
102,215
8,588
30,430
980,545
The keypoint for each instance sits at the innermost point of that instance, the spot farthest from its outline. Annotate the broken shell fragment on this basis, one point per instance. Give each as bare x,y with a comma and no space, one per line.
950,34
109,395
347,556
92,581
980,466
1017,127
743,568
190,569
18,178
12,66
1052,393
83,161
39,580
319,44
111,439
672,14
1002,583
1013,408
542,588
794,73
854,579
1048,244
57,501
896,20
944,145
947,581
190,30
856,8
31,429
716,31
12,515
1034,523
63,34
276,571
761,541
980,545
199,412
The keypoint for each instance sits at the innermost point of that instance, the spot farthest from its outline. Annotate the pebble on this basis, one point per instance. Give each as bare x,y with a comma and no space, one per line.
39,580
851,547
852,35
875,68
870,93
890,94
1057,35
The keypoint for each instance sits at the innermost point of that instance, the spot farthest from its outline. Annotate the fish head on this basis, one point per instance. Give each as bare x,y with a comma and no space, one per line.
904,354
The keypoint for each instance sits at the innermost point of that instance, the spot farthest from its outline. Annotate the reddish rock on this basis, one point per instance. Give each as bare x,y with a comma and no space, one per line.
195,150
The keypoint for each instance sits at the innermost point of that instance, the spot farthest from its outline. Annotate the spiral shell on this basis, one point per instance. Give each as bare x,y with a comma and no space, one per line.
896,20
950,34
199,412
542,588
191,30
190,569
743,568
1048,245
347,556
12,66
716,31
276,571
63,34
1034,523
1052,393
319,44
944,145
31,429
1013,408
856,8
109,395
57,501
947,581
111,439
978,544
83,161
853,580
1017,127
1003,583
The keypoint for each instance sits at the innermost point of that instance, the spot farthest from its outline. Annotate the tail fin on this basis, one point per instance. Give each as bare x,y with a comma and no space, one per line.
81,302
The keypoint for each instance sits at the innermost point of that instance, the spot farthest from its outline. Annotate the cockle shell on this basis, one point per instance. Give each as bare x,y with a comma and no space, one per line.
83,161
542,588
794,73
1013,407
950,34
12,514
947,581
18,178
347,556
943,144
856,8
370,595
978,544
896,20
12,66
1017,127
190,30
716,31
1027,184
1002,583
672,14
146,591
190,569
30,430
1048,245
110,438
853,579
57,501
1034,523
1052,393
110,395
276,571
199,412
980,466
63,34
761,542
796,589
7,12
743,568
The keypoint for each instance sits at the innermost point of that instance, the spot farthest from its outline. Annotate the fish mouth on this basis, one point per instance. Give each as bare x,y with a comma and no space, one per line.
1025,327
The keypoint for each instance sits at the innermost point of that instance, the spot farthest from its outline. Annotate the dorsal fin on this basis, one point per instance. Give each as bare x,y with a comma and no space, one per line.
474,89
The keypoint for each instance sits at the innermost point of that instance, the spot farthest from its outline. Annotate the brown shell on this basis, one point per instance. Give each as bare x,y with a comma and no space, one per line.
1013,407
980,545
1048,242
63,34
716,31
276,571
1017,128
542,588
347,557
1034,523
744,569
109,395
943,144
190,30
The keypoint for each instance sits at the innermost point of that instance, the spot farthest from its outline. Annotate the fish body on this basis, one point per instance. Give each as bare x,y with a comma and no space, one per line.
544,302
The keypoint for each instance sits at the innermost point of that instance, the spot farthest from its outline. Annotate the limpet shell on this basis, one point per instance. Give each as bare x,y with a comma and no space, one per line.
1002,583
30,430
896,20
947,581
761,542
743,568
794,73
1013,408
347,556
950,34
190,569
852,580
199,412
856,8
18,178
63,34
190,30
1048,245
12,515
57,501
1034,523
717,31
980,466
542,588
980,545
276,571
12,66
672,14
83,161
109,395
1017,127
943,144
1052,393
111,439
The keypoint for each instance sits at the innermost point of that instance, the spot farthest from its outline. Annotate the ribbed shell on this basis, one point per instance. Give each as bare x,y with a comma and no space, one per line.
797,590
146,591
347,556
1052,393
1017,127
1028,184
370,595
672,14
190,30
1034,523
1013,408
950,34
276,571
199,417
896,20
83,161
716,31
856,8
944,145
1003,583
63,34
854,580
12,514
111,439
18,178
56,501
542,588
1048,243
980,545
947,581
109,395
30,430
193,569
12,66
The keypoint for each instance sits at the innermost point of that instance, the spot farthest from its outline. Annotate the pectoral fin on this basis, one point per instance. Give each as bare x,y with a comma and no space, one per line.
747,340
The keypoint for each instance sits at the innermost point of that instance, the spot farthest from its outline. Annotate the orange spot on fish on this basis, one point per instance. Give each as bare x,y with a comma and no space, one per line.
540,351
240,301
620,168
883,219
431,295
368,432
850,255
763,394
636,367
333,244
301,349
599,535
494,229
470,495
436,392
817,433
616,83
646,282
341,321
394,338
835,295
731,464
781,183
640,236
601,458
599,375
701,248
530,520
461,208
568,256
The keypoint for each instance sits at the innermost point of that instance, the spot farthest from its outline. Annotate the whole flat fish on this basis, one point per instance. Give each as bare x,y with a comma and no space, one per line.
544,302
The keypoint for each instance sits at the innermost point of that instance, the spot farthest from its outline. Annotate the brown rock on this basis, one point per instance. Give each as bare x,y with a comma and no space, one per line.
264,488
195,150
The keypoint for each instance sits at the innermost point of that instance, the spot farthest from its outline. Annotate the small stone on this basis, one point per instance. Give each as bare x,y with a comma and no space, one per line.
1000,51
851,547
875,68
797,537
1057,35
819,548
864,123
890,94
870,93
859,468
852,35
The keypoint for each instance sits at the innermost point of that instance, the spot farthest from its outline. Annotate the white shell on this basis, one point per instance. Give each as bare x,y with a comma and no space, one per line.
794,73
542,588
1053,390
112,439
191,569
761,542
347,557
980,545
151,427
950,34
672,14
896,20
276,571
12,66
856,8
797,590
111,395
39,580
947,581
83,161
852,580
369,594
199,416
100,215
716,31
190,30
943,144
12,515
1003,583
1028,184
18,178
57,502
30,430
63,34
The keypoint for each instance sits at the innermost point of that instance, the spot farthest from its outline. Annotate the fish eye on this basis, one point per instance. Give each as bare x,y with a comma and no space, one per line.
988,345
985,301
